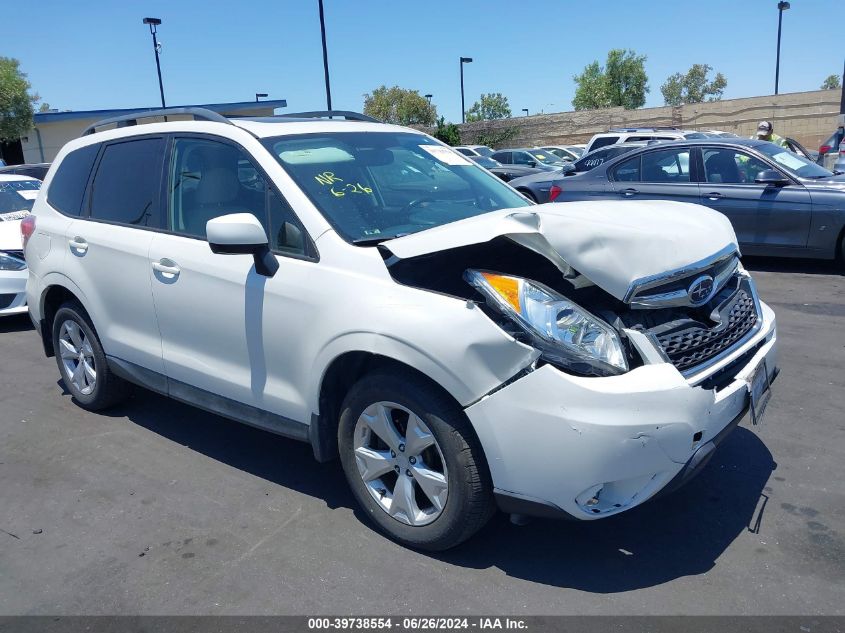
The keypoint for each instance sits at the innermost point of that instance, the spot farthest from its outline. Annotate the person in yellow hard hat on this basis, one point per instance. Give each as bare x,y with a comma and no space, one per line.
766,132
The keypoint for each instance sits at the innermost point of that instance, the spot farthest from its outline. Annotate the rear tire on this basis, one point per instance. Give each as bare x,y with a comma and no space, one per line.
528,195
413,461
82,361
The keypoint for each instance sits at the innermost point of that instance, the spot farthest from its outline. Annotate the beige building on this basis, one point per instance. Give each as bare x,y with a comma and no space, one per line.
53,129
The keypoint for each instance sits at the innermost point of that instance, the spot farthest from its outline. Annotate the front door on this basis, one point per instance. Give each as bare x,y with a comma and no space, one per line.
226,329
657,175
765,218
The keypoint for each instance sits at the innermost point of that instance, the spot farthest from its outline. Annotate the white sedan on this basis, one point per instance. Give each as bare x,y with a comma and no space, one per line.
17,194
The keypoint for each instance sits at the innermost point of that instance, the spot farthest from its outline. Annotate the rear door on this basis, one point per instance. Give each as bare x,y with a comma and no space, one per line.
765,218
660,174
108,248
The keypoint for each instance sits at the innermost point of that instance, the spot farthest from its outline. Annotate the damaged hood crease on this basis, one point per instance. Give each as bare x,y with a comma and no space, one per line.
612,244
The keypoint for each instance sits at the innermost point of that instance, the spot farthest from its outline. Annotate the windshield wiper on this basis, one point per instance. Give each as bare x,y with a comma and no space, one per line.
376,239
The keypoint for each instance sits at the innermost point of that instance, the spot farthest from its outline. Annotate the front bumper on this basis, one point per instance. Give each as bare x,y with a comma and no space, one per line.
558,444
13,292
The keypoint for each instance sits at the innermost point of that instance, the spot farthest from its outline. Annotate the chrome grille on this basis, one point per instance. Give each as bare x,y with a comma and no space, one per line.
694,345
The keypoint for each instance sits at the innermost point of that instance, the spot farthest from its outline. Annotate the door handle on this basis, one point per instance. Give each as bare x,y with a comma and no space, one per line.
714,195
78,244
166,267
629,192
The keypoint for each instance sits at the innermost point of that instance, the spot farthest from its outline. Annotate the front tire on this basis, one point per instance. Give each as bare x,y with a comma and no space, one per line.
413,461
82,361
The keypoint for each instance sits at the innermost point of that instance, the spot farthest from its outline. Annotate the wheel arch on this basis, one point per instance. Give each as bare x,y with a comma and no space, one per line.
337,379
57,291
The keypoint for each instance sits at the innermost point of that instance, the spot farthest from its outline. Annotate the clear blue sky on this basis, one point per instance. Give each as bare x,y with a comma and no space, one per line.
97,54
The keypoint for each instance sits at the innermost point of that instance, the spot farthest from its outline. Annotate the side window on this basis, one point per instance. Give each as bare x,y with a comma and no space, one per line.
628,171
523,158
465,151
502,157
126,186
602,141
68,185
209,179
665,166
731,167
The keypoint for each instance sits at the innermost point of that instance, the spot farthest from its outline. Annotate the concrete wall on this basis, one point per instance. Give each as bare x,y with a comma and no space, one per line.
808,117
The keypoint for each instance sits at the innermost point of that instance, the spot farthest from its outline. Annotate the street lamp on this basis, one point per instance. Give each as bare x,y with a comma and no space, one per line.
525,110
464,60
429,98
153,23
325,57
782,6
260,94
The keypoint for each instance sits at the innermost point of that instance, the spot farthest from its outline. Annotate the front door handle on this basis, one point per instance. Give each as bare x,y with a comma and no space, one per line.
629,192
78,244
167,268
714,195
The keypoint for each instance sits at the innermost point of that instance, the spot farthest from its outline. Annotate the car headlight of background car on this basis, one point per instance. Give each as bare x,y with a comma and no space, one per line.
563,331
9,262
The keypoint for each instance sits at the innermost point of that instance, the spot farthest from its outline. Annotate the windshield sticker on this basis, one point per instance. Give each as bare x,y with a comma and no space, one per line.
445,155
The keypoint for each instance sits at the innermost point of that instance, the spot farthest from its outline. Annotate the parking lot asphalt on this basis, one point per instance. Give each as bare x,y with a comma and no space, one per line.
158,508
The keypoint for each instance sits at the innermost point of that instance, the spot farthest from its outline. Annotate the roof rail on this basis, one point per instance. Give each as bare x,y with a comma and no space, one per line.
643,129
125,120
322,114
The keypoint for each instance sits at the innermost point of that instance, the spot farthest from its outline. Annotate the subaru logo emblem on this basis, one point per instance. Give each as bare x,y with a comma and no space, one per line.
700,290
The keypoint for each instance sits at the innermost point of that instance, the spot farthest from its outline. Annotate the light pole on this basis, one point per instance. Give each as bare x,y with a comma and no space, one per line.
429,98
464,60
325,57
525,110
153,23
261,95
782,6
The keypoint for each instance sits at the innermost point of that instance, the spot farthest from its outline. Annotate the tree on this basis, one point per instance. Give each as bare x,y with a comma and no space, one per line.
15,101
490,106
693,86
622,82
400,106
831,83
44,107
449,133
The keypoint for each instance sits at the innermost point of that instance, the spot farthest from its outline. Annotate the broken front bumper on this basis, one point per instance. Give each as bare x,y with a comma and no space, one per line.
558,444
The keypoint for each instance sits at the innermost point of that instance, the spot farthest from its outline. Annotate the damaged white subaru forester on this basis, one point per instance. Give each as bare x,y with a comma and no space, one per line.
365,288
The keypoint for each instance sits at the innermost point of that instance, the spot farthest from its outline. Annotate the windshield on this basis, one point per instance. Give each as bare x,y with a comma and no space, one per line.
375,186
563,154
793,163
547,158
483,150
17,198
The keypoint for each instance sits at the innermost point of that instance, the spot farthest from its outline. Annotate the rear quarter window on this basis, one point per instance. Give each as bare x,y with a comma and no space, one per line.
67,188
602,141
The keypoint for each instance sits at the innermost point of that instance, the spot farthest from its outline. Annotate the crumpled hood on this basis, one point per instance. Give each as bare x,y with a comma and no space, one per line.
611,242
10,235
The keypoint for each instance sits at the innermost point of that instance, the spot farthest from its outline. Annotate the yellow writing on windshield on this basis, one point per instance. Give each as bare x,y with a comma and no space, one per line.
327,178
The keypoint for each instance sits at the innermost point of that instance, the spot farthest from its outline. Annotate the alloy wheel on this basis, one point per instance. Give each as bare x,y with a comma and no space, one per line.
401,463
77,357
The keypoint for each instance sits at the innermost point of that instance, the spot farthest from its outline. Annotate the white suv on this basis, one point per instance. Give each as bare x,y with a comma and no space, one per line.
369,290
633,134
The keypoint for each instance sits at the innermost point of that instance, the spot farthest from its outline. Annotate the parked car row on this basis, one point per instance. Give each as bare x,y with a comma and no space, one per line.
364,288
779,203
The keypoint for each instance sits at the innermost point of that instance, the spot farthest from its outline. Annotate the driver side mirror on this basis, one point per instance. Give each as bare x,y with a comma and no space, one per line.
242,234
568,168
771,177
531,163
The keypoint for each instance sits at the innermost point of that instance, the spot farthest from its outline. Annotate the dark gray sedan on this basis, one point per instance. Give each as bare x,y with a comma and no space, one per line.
779,203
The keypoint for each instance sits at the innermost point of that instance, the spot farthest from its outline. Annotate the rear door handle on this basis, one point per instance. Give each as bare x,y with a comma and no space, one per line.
714,195
78,244
166,267
629,192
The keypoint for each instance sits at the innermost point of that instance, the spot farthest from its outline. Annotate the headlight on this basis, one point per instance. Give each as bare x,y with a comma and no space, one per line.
563,331
8,262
